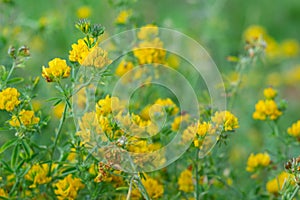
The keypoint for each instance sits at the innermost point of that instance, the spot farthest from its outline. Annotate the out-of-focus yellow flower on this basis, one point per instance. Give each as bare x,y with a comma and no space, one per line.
38,174
153,187
292,76
270,93
294,130
173,61
79,51
3,193
266,109
290,48
275,185
254,32
58,110
150,52
170,107
178,121
43,22
104,106
185,181
36,105
148,32
226,119
257,160
123,16
26,117
124,67
68,187
84,12
57,69
9,99
273,48
72,155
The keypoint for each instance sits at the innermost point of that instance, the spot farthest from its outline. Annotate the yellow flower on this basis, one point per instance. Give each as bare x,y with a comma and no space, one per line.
26,117
124,67
226,119
203,128
153,188
38,174
290,48
254,32
3,193
258,160
185,181
148,32
294,130
68,187
58,110
150,52
169,105
266,109
79,51
83,12
104,106
123,16
275,185
57,69
179,120
97,57
9,99
270,93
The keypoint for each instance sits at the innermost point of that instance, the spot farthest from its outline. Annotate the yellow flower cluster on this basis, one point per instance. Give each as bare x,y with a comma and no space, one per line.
294,130
153,187
97,57
9,99
83,12
270,93
79,51
57,69
123,16
258,160
178,121
3,193
185,181
170,107
225,119
266,109
104,106
38,174
288,48
26,117
150,49
68,187
275,185
124,67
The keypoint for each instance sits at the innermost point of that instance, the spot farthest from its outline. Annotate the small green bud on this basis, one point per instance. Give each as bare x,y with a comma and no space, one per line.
97,30
83,25
12,52
23,51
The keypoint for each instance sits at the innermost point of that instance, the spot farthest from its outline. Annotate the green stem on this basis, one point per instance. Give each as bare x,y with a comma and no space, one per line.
196,176
10,72
295,192
130,188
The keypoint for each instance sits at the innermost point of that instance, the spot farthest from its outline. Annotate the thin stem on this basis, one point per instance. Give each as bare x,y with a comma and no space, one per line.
130,188
10,72
196,175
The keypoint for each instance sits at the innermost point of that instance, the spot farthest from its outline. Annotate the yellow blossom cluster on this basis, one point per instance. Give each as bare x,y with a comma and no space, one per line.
79,51
287,48
25,117
275,185
258,160
185,181
123,17
179,120
294,130
3,193
9,99
267,109
68,187
154,189
124,67
38,174
170,107
57,69
226,119
97,57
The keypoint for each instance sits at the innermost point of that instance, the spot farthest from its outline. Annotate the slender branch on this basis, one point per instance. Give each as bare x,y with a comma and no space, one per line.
130,188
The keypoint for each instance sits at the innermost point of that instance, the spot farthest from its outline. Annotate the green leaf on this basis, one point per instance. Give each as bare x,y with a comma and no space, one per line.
7,145
15,155
142,189
69,170
6,166
26,148
57,102
53,99
15,80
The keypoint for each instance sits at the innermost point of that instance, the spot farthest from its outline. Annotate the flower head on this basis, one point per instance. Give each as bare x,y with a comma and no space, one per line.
185,181
270,93
83,12
9,99
68,187
38,174
57,69
275,185
226,119
123,16
294,130
266,109
258,160
25,117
